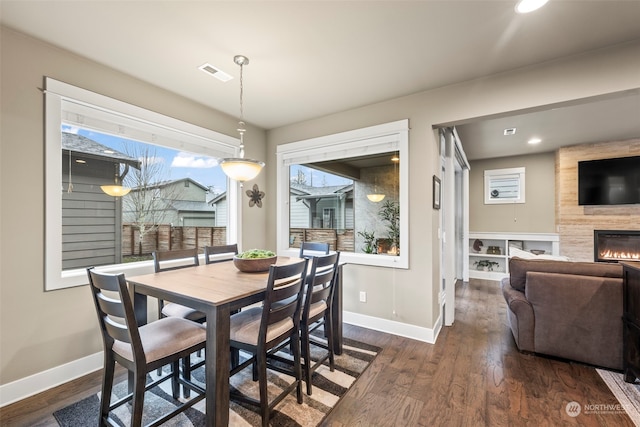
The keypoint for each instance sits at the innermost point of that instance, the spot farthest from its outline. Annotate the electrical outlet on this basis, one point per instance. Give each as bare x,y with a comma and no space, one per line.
363,296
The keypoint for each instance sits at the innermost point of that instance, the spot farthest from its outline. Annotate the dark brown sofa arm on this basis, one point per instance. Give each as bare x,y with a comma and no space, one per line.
520,316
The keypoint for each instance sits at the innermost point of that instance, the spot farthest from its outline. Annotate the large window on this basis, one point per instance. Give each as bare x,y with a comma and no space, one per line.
349,190
169,165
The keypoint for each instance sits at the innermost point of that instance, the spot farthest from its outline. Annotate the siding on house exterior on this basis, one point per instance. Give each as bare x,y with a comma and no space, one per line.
298,213
221,208
179,203
91,227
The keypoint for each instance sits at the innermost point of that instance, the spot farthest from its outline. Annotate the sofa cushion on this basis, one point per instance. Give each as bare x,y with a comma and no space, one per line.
518,269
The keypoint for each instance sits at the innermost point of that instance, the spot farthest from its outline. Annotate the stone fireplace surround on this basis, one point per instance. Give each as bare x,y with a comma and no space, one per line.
576,224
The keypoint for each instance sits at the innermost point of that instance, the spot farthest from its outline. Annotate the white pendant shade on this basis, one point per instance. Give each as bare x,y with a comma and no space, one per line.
375,197
115,190
240,169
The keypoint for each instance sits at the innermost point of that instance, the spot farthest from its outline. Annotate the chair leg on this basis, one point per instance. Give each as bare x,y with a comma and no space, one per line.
138,397
186,373
296,363
175,384
107,387
254,369
329,334
234,357
261,362
306,353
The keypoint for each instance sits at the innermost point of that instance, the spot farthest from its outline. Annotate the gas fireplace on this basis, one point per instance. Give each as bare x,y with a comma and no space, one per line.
616,245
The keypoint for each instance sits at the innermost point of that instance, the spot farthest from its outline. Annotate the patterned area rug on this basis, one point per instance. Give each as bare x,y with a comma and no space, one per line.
328,388
628,394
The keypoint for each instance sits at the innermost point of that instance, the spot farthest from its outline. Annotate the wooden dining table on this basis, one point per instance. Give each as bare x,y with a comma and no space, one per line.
217,290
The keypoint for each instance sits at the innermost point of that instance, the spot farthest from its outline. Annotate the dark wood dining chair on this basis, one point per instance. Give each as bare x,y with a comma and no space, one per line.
313,248
173,260
209,251
140,349
316,312
258,330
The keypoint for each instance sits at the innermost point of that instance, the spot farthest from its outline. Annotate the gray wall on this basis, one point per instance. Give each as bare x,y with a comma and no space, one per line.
63,328
536,215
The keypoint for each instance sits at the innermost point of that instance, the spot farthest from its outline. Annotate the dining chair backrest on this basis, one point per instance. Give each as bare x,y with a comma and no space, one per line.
219,250
320,283
115,311
313,248
162,260
140,350
283,298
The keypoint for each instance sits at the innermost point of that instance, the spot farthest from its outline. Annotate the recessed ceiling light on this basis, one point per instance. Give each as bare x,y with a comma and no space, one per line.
509,131
81,161
534,141
526,6
215,72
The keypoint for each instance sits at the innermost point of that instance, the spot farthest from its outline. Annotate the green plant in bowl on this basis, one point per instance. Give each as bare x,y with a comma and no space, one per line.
256,253
254,260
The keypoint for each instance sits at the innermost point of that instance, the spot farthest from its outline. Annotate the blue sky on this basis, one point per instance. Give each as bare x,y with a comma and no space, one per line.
179,164
205,170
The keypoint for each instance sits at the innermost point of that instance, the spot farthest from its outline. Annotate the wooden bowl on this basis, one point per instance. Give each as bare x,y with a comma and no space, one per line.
254,265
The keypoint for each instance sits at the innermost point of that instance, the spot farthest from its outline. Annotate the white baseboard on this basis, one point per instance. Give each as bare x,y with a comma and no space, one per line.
37,383
393,327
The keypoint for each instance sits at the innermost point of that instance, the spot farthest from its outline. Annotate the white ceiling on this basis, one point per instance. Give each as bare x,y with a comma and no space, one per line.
313,58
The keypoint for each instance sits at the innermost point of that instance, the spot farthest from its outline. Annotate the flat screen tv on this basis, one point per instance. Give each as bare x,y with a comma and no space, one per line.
609,181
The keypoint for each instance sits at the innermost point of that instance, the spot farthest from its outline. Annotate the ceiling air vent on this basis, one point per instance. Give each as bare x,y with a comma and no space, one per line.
509,131
215,72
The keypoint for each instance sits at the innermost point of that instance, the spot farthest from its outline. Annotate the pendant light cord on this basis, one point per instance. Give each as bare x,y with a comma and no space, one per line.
241,125
70,187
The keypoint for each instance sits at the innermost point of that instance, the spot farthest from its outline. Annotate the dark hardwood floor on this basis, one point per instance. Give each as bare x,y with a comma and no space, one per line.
472,376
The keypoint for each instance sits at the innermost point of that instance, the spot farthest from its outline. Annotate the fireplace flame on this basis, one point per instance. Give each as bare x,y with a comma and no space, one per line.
608,254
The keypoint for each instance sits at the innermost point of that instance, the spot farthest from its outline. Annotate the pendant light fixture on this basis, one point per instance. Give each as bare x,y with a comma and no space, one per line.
117,189
375,197
239,168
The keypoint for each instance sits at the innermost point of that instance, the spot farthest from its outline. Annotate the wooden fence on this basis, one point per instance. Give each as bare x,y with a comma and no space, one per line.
166,238
338,240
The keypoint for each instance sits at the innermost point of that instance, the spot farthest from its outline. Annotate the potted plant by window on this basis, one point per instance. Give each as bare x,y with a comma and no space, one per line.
390,213
485,265
369,237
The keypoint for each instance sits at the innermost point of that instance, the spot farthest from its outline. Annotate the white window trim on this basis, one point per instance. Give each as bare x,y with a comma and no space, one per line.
200,140
393,136
518,173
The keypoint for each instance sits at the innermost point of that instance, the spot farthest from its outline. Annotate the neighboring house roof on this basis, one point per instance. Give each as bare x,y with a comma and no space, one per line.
162,184
218,198
308,192
184,206
93,149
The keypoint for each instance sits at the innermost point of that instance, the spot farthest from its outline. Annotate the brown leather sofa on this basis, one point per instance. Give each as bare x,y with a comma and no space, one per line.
571,310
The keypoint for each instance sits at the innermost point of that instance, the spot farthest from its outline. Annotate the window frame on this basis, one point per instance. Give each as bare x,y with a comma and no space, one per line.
388,137
516,173
58,96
